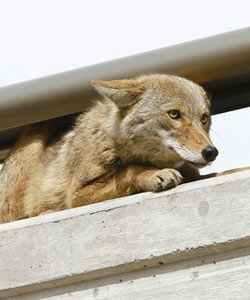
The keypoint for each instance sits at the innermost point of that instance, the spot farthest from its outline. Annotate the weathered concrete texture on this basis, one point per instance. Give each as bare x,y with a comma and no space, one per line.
135,233
221,276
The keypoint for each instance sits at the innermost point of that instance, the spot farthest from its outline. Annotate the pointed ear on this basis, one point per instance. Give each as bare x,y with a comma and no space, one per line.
208,98
209,95
123,93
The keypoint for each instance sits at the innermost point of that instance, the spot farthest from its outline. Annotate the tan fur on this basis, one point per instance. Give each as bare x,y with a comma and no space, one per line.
125,144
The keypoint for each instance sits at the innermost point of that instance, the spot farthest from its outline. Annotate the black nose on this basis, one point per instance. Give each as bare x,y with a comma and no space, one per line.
209,153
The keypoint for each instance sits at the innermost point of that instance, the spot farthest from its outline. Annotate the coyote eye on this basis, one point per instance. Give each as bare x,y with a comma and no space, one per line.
204,119
174,114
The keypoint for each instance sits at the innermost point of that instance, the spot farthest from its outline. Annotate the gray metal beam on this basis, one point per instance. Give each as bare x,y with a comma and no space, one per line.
203,60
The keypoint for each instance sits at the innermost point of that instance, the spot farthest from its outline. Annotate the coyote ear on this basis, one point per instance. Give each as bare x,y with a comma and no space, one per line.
123,93
209,95
208,98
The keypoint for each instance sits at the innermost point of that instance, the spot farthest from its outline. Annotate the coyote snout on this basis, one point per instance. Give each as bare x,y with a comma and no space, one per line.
192,143
145,134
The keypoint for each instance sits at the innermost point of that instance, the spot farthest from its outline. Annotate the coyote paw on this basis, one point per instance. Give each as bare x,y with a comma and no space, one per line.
161,180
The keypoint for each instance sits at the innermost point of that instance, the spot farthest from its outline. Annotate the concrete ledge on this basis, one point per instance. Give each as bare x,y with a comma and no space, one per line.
124,235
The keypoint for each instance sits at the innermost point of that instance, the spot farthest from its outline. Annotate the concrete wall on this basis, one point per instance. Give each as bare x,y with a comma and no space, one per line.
192,242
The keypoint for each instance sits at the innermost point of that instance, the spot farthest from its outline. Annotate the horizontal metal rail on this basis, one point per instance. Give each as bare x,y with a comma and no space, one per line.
65,93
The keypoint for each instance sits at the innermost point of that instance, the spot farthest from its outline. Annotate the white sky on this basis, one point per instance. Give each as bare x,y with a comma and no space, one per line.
41,37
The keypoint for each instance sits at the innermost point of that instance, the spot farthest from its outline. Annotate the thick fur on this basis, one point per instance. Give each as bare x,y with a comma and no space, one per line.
125,144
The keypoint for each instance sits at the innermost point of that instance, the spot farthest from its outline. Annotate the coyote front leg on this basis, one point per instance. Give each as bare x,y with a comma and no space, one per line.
130,180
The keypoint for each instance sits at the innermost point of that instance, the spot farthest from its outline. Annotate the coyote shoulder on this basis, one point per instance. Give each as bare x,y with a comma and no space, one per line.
144,134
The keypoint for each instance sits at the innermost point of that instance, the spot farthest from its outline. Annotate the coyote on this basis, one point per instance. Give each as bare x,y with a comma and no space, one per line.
147,133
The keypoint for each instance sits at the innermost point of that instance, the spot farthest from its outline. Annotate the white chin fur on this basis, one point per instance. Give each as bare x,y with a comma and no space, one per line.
190,156
184,153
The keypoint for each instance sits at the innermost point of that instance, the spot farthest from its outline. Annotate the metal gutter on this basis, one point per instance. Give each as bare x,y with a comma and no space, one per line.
203,60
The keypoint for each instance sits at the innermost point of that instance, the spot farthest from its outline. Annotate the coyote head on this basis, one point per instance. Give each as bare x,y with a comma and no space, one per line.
164,120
